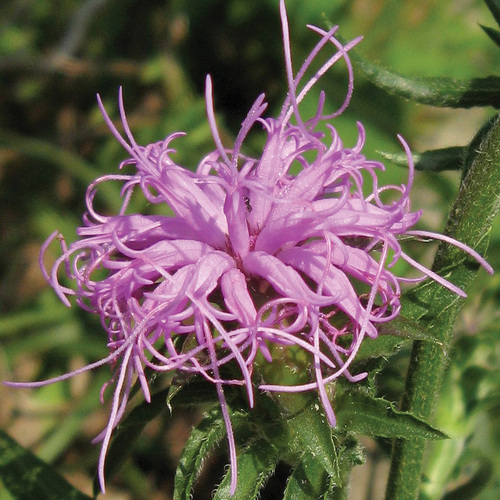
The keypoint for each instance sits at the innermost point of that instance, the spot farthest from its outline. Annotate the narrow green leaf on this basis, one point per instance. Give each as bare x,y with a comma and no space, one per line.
436,160
256,463
308,480
406,328
384,345
392,336
492,33
27,477
435,91
205,436
310,430
494,6
359,413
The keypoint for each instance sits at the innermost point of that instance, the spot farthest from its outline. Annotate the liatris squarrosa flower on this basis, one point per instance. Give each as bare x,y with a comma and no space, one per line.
259,251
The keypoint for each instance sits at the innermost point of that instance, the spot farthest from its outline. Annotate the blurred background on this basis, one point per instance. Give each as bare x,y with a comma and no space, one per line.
55,56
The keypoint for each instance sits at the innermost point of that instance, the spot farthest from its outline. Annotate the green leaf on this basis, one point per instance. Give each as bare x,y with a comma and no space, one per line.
359,413
27,477
435,91
494,6
308,480
492,33
383,345
406,328
256,463
310,430
392,336
436,160
205,436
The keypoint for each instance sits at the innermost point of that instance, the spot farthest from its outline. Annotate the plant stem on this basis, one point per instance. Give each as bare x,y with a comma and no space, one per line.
469,222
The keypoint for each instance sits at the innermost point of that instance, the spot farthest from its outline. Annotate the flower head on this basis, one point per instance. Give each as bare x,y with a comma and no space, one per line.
258,251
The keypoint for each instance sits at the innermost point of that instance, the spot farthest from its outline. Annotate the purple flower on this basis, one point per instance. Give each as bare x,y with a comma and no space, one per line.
258,251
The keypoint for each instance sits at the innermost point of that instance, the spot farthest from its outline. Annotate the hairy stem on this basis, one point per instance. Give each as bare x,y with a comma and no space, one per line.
469,222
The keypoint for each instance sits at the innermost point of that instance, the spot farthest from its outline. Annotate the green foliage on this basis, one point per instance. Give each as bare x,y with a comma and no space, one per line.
27,477
494,7
439,91
363,414
256,462
307,481
203,438
434,161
